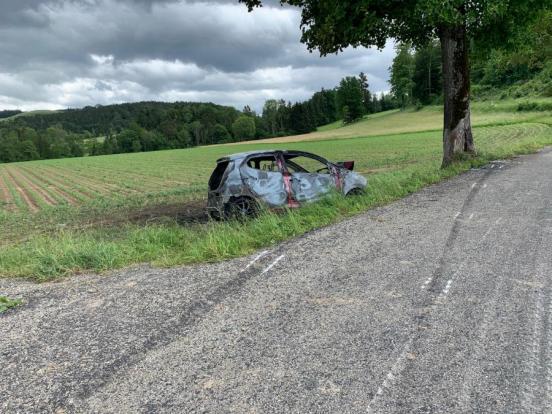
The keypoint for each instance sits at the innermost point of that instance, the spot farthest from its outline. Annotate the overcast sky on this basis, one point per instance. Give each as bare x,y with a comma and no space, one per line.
72,53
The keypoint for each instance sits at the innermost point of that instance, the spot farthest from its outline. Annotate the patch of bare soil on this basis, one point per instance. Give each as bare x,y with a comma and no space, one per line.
6,196
24,195
45,196
102,187
52,187
66,181
189,212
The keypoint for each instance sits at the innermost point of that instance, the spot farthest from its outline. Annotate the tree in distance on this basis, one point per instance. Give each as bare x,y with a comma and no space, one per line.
402,70
332,25
350,96
244,127
366,95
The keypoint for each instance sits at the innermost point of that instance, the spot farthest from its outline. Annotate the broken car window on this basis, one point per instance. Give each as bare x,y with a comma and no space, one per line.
264,163
302,164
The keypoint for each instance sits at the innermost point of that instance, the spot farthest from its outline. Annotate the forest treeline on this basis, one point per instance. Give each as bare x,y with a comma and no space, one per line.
151,126
523,68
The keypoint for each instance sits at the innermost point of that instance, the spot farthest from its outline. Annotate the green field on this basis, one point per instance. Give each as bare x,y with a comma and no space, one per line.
98,213
426,119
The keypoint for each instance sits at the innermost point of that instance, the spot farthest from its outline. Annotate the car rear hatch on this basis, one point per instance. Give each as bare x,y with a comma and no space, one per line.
218,175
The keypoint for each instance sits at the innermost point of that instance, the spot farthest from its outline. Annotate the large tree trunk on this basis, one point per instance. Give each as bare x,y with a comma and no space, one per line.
457,133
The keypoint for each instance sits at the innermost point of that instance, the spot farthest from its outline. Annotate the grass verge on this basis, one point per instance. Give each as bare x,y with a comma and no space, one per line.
47,257
7,303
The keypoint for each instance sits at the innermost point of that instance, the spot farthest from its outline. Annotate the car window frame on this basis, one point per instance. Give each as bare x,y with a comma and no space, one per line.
322,160
280,169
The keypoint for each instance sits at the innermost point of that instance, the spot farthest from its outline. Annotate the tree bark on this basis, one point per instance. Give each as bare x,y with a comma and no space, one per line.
457,133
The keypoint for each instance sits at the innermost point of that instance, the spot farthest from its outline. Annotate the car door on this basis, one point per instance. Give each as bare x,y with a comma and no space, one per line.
263,176
311,177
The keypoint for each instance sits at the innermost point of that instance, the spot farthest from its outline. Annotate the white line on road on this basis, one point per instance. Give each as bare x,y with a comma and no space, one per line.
549,355
531,399
395,370
447,287
498,220
259,256
271,265
427,282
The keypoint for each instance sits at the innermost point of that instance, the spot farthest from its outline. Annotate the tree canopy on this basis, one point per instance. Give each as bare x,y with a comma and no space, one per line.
332,25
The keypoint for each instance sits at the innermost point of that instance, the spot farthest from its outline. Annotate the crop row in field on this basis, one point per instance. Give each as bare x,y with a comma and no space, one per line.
37,185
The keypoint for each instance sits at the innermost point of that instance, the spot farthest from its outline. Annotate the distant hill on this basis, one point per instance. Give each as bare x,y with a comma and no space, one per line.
8,113
102,120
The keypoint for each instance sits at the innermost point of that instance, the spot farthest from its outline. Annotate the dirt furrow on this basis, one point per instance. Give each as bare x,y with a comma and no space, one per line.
6,196
47,198
154,180
77,179
52,186
143,181
31,204
101,186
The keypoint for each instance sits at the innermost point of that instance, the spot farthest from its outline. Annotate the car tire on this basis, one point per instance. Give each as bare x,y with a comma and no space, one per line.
214,215
241,208
355,192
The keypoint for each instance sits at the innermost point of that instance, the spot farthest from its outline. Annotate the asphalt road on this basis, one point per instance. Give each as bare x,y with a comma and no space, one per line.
438,303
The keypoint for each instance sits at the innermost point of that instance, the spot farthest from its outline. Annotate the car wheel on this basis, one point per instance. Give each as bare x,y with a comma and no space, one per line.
355,192
241,208
214,215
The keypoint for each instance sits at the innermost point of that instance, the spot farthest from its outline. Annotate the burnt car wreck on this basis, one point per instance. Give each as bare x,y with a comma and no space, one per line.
242,183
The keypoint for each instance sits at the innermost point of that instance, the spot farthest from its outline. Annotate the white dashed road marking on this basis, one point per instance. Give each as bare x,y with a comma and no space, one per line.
271,265
447,287
259,256
427,282
395,371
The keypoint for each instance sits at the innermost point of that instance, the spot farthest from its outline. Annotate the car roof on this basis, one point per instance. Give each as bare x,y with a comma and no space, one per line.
242,155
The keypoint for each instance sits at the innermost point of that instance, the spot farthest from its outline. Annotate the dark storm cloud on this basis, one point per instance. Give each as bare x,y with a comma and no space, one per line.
59,53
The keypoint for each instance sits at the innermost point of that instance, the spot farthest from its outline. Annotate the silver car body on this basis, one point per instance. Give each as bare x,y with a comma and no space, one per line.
275,179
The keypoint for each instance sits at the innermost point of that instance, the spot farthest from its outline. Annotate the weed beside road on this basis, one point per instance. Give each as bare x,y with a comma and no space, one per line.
7,303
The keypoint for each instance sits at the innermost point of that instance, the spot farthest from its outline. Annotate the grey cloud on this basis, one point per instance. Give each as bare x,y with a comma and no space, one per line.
82,52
